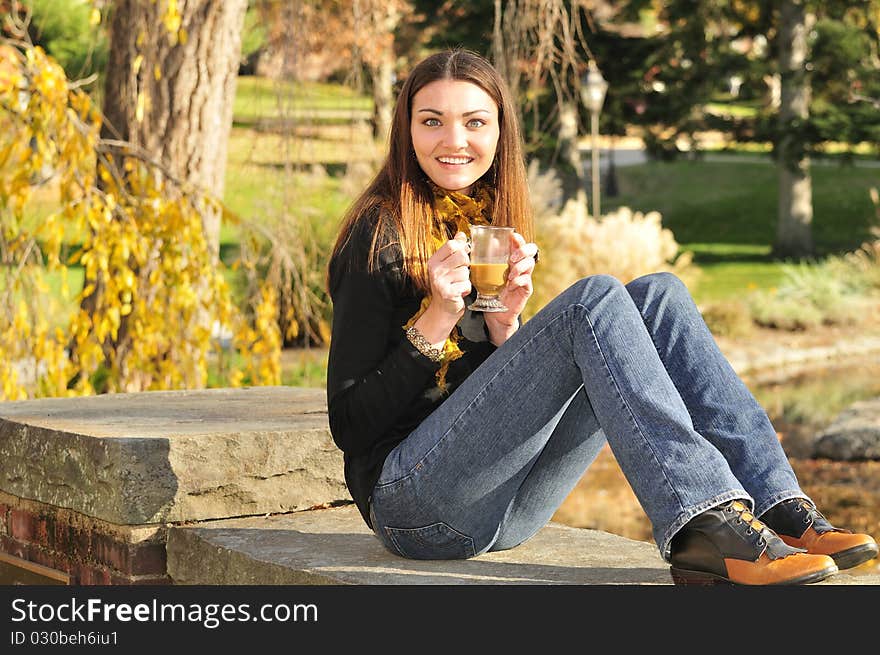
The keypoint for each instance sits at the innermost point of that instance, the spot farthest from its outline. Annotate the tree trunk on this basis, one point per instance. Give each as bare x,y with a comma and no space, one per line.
572,169
795,206
170,92
384,18
383,95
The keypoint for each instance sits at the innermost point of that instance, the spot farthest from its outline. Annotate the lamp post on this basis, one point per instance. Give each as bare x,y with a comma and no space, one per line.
593,87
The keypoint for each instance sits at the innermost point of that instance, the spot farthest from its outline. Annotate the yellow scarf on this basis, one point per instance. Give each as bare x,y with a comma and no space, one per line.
455,212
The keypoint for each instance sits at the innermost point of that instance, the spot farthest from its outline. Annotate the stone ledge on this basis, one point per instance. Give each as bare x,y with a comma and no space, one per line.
334,546
169,456
92,486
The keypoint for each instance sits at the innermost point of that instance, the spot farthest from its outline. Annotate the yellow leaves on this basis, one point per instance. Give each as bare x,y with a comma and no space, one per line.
95,17
236,378
292,331
139,109
324,330
173,20
10,73
136,64
152,288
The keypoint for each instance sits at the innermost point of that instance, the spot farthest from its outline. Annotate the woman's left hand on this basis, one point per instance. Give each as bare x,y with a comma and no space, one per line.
521,263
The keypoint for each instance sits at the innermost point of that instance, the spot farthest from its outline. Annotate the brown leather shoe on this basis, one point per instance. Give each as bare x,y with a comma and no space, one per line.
727,544
800,524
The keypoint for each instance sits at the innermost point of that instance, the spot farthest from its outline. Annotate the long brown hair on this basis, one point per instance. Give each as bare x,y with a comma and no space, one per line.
400,190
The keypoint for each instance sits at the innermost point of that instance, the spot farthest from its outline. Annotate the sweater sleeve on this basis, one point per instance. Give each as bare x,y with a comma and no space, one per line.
371,377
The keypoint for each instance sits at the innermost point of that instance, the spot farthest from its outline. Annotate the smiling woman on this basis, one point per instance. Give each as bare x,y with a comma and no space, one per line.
463,431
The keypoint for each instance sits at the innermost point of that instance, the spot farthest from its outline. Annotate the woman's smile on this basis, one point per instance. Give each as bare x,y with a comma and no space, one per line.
455,161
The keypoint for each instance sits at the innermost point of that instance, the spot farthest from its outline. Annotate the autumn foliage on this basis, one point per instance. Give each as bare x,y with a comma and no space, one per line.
153,290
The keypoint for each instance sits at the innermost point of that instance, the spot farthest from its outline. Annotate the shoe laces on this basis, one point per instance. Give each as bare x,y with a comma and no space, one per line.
812,516
776,548
746,517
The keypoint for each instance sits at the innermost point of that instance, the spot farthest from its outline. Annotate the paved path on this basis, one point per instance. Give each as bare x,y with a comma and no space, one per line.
630,156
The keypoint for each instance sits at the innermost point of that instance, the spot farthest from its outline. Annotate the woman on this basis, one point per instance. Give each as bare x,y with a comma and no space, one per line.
462,432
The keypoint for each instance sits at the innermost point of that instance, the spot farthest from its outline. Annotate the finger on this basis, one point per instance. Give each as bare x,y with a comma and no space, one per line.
457,261
459,274
462,238
451,247
459,252
443,275
523,281
522,267
517,241
460,289
523,251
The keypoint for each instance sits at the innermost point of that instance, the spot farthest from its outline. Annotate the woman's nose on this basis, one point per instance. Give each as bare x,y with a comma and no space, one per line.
455,136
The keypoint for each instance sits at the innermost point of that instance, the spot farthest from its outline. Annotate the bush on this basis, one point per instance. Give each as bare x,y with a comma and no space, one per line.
728,319
842,290
784,312
623,243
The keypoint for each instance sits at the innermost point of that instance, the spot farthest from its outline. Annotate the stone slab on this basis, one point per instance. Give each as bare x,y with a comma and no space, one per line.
171,456
334,546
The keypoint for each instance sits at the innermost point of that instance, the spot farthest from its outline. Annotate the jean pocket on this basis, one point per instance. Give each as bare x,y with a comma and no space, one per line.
434,541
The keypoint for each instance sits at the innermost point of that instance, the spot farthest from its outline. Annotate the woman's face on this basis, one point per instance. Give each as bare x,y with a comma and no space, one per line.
454,129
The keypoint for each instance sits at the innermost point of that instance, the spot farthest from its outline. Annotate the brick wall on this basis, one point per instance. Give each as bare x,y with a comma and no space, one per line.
92,552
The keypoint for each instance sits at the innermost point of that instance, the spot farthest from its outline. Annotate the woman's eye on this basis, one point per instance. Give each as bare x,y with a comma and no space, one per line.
476,122
431,122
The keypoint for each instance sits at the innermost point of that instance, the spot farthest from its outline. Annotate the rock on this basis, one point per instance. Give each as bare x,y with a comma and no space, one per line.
854,434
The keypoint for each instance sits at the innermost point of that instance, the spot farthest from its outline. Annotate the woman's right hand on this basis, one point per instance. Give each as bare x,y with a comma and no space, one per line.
449,274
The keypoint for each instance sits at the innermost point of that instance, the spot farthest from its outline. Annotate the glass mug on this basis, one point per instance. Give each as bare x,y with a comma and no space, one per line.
490,250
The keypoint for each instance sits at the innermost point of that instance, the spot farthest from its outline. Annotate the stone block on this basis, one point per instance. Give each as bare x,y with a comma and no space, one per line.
334,546
172,456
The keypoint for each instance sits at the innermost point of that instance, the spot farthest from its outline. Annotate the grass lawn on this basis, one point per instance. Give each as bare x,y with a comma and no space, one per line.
725,213
264,101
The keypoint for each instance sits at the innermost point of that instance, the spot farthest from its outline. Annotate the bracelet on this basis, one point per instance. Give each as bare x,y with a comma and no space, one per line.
418,340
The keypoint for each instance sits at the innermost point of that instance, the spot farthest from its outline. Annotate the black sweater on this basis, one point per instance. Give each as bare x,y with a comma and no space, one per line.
379,387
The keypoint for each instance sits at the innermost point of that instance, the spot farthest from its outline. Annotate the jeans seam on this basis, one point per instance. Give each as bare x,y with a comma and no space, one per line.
629,411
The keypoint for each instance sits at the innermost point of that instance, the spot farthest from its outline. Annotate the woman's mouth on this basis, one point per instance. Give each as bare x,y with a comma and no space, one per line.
455,161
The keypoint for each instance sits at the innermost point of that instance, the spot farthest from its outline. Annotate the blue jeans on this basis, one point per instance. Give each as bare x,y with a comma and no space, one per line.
634,364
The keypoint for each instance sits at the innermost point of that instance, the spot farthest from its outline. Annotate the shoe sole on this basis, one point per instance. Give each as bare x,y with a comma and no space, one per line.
686,577
847,559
